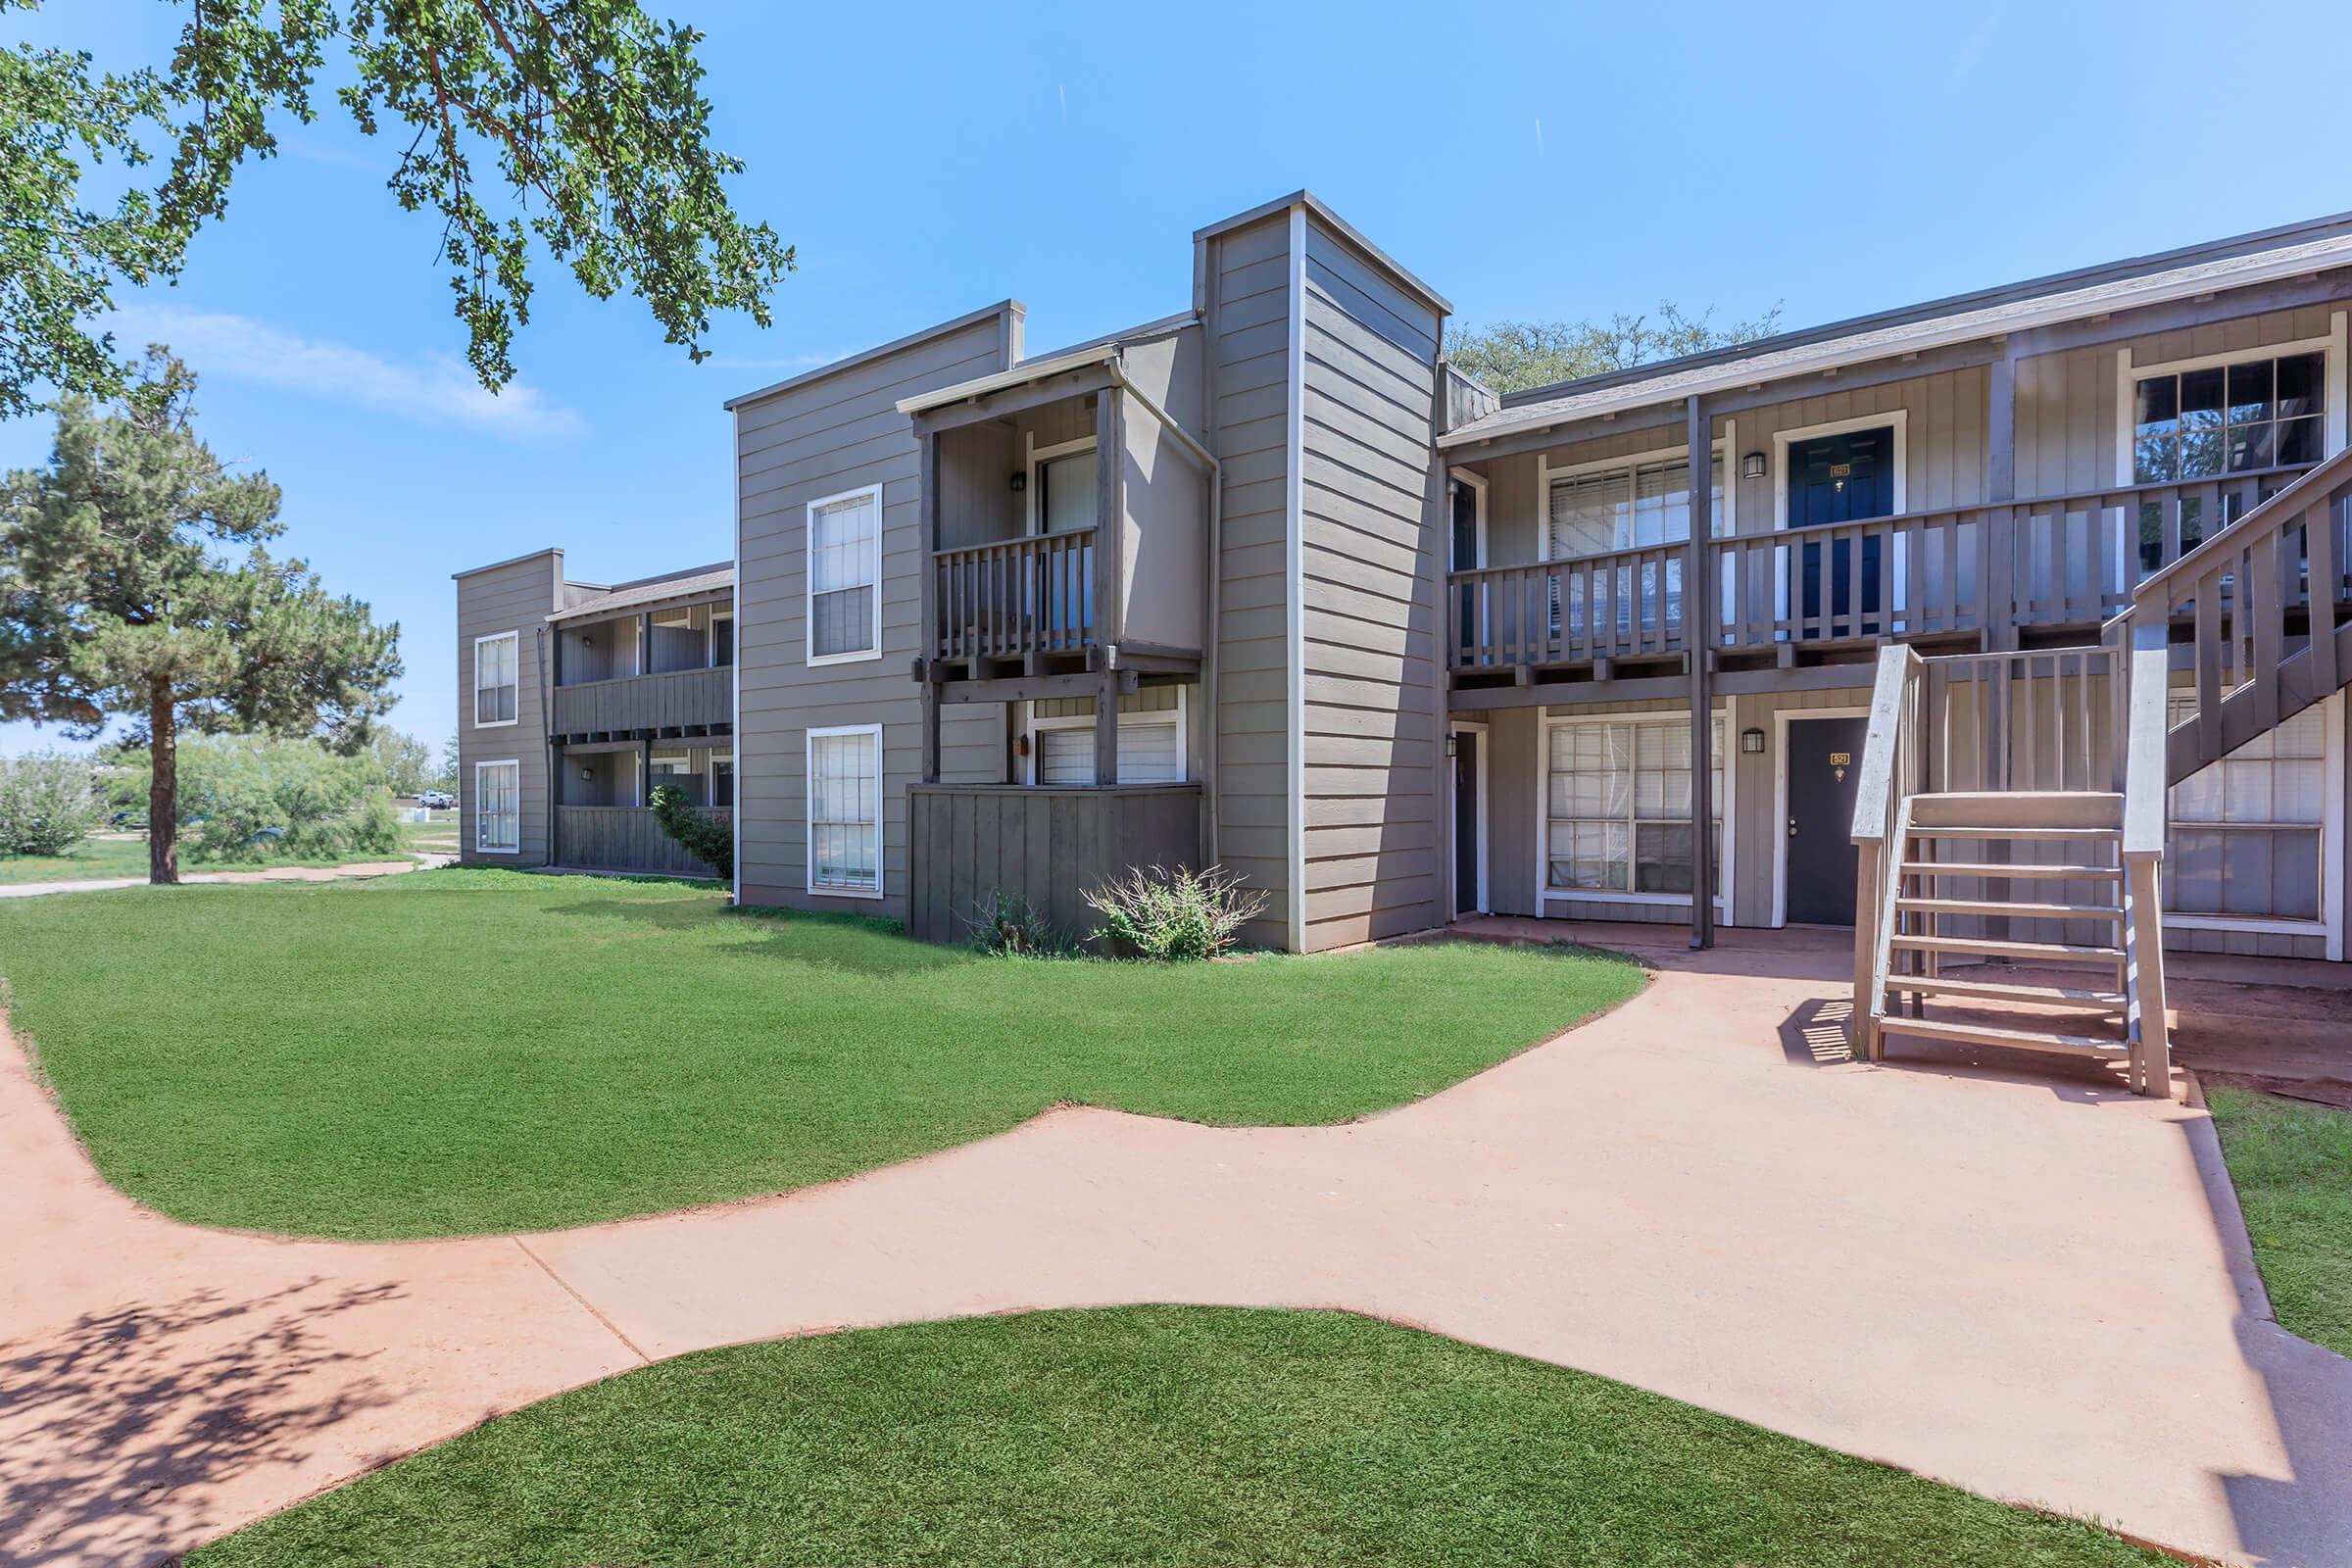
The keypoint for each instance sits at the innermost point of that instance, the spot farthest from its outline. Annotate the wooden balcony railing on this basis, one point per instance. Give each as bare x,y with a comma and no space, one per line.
1016,597
2053,560
681,700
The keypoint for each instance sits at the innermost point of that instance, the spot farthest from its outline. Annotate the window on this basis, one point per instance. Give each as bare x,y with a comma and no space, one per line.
723,780
1627,505
2244,834
2210,422
497,678
845,810
1068,491
722,639
1618,807
498,808
844,576
1151,752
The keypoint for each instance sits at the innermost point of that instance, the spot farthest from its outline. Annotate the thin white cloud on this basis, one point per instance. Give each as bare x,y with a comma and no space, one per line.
438,390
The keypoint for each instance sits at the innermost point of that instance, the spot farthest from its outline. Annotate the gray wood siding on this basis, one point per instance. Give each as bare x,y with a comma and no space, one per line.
1367,581
519,597
1051,845
818,437
1247,273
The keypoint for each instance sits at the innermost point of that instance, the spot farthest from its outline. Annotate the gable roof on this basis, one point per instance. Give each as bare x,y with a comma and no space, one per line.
2269,255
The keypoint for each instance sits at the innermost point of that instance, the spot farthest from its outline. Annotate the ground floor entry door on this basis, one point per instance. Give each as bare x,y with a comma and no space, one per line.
1467,829
1824,777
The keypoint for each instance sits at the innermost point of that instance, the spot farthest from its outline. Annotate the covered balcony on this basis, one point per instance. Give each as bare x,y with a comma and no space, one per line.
646,662
1068,526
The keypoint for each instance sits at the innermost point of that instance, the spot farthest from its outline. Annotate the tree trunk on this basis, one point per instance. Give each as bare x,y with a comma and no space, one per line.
163,786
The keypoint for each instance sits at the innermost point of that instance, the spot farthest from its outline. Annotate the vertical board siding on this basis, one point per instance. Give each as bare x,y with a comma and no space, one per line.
517,597
1367,566
812,439
1053,845
1246,281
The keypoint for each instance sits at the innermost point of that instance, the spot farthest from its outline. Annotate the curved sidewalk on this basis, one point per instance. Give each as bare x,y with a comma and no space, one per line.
2010,1282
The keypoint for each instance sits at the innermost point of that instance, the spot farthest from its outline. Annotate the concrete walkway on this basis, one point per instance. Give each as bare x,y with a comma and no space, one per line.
2012,1282
275,873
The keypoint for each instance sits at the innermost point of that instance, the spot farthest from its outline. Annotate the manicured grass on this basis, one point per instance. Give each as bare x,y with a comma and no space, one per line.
462,1051
1153,1435
2292,1167
90,861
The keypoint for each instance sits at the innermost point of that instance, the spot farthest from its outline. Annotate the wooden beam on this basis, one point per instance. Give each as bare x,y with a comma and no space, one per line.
1699,608
1106,728
1033,688
1013,400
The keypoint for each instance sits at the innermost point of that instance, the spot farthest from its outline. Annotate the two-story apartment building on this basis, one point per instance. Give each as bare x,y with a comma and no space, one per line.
1264,583
578,699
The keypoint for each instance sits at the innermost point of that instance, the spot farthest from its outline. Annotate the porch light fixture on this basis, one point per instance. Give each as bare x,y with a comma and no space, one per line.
1452,748
1751,466
587,776
1752,742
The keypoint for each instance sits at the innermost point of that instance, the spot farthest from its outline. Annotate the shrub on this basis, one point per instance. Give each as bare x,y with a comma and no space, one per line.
1175,914
709,841
49,802
243,798
1006,924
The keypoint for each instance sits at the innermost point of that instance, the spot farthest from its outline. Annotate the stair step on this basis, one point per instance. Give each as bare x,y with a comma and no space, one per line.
2054,952
2014,869
2059,835
2018,911
1995,991
1979,1034
2088,808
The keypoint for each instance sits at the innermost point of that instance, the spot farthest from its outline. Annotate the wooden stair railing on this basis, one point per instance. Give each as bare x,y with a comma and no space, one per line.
1951,851
2239,589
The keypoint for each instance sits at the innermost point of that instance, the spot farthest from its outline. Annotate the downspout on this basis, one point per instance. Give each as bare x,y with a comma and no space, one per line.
1208,640
546,745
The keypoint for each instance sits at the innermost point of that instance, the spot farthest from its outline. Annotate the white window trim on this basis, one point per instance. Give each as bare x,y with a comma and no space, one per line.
809,580
1482,904
808,811
479,848
1547,472
1725,810
1033,520
476,706
1782,718
1184,732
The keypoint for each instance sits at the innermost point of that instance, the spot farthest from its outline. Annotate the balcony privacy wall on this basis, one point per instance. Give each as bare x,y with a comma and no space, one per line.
813,437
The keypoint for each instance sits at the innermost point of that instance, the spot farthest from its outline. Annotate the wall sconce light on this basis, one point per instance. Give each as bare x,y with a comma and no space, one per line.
1751,466
1752,742
1452,748
587,776
1020,745
1020,482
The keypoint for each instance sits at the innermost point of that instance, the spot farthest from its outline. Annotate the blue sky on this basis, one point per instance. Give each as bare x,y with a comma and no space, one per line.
1539,161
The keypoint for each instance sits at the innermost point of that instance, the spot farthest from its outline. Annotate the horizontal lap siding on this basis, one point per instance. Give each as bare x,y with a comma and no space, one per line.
1249,283
1372,753
814,439
518,596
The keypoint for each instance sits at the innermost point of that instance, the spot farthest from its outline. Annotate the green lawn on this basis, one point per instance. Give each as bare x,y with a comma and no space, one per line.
2292,1167
96,859
464,1051
1152,1435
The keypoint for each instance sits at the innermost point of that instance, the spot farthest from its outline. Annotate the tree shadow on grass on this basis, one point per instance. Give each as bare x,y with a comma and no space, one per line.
102,1420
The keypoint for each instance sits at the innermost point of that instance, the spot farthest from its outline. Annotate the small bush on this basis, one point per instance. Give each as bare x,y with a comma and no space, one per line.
49,802
1167,915
1006,924
709,841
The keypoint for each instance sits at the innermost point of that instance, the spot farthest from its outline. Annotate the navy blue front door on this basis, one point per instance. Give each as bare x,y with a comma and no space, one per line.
1841,478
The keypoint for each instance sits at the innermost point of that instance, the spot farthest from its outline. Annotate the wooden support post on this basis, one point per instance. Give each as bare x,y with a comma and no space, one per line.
1107,724
1699,599
927,637
1111,530
1997,572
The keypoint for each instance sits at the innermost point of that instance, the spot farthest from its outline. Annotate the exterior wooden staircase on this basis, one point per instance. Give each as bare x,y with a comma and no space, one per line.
2012,809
